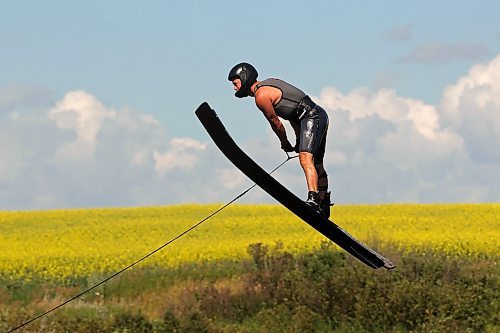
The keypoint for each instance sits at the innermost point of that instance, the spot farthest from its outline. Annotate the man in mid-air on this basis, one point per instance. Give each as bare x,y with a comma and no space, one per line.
279,99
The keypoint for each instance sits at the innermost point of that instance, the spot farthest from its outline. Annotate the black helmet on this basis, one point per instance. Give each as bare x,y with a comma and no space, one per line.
248,76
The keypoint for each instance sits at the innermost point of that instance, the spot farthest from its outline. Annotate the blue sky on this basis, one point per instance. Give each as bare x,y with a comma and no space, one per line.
163,58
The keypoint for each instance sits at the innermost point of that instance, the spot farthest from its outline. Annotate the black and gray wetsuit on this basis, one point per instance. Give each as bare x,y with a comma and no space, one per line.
296,107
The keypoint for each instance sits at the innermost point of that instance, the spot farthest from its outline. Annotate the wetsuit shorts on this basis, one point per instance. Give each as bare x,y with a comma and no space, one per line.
313,129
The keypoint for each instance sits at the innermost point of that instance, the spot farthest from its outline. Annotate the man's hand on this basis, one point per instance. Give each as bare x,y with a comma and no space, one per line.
287,147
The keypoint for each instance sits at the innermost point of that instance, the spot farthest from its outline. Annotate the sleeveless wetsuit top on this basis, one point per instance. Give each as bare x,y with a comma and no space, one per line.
290,98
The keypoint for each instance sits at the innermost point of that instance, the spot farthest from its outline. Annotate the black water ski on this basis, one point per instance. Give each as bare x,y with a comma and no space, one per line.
226,144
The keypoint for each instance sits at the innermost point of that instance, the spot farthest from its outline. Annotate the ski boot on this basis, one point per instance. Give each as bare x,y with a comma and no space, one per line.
313,200
324,206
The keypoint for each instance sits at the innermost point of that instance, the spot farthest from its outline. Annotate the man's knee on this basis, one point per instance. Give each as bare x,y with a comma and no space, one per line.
306,159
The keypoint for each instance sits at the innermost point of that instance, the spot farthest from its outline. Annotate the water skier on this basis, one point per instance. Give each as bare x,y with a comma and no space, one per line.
279,99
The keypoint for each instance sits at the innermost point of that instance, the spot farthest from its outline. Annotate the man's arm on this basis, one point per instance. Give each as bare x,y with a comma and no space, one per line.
265,104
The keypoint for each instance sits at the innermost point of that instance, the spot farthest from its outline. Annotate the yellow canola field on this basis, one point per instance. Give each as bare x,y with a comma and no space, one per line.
76,243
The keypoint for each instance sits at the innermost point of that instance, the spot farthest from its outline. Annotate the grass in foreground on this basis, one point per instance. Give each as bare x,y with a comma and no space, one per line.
275,291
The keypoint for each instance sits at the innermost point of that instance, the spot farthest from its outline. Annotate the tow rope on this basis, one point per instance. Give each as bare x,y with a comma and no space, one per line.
147,255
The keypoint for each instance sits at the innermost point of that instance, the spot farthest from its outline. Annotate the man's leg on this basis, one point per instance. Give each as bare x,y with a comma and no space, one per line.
322,180
313,130
307,163
324,194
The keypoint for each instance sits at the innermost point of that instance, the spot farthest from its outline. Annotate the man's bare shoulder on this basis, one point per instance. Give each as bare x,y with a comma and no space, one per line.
267,93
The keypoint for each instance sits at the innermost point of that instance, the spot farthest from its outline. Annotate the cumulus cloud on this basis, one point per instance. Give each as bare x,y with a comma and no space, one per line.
471,108
382,147
405,117
387,144
181,156
84,115
402,149
442,53
80,153
15,98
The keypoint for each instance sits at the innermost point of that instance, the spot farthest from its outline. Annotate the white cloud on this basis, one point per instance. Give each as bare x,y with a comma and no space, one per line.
17,97
83,114
231,179
471,108
403,149
404,114
441,52
182,155
140,158
381,147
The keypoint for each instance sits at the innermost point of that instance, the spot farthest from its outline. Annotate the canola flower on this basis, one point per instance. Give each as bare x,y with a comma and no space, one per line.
62,244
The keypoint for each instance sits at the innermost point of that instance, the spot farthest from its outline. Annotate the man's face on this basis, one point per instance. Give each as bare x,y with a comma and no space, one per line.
236,84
